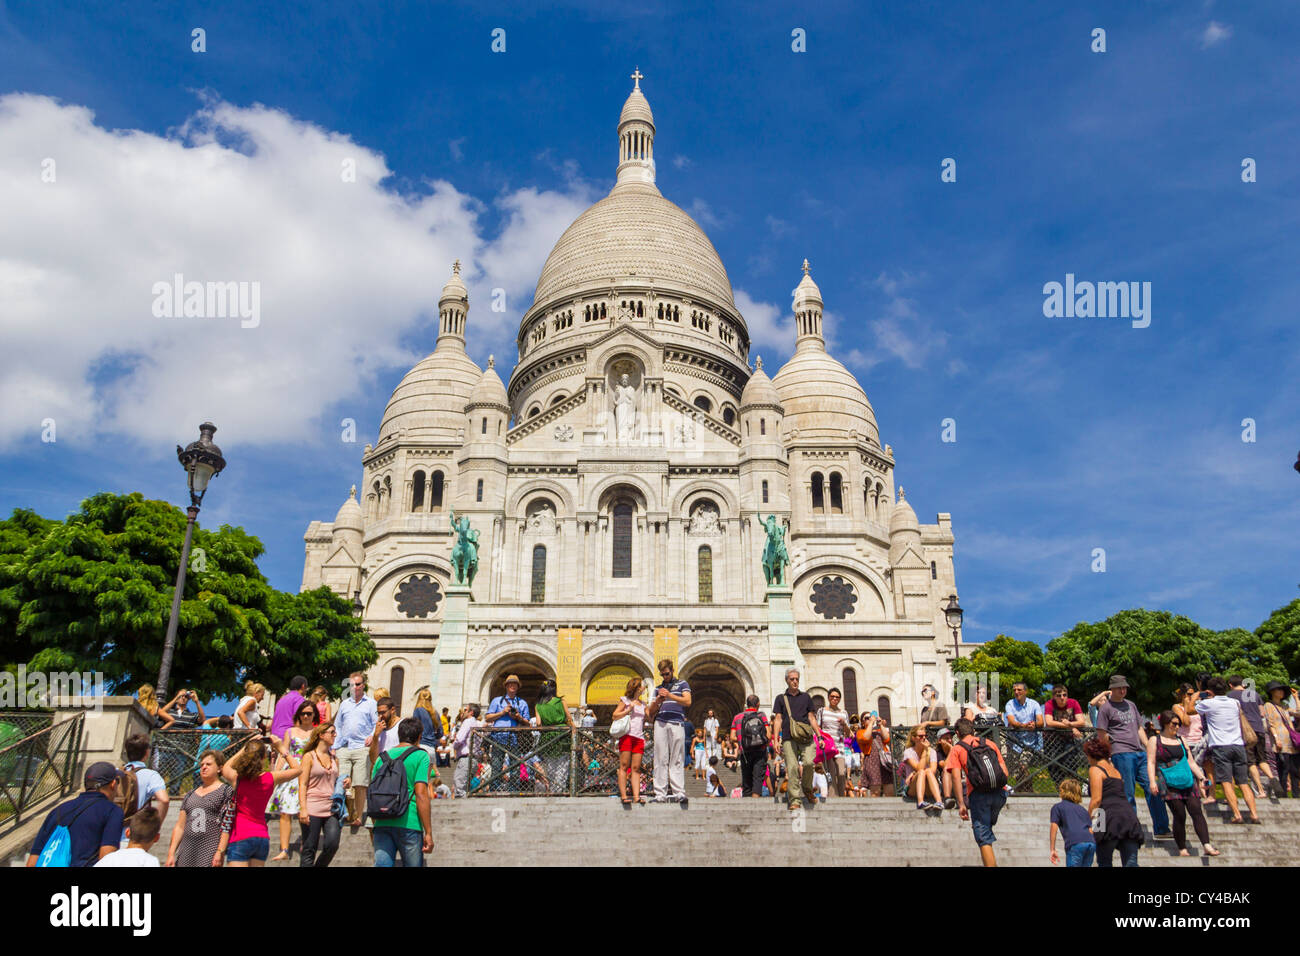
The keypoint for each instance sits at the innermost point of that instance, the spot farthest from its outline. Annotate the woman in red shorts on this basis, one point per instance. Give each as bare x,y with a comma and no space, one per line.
632,744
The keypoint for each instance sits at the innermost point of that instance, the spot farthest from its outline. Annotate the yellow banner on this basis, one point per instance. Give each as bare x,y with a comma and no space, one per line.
610,684
665,646
568,665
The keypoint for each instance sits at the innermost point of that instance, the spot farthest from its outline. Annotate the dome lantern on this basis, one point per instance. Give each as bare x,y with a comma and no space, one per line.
636,140
453,309
808,313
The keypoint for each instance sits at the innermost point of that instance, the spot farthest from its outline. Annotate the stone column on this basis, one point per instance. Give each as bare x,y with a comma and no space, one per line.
447,680
782,642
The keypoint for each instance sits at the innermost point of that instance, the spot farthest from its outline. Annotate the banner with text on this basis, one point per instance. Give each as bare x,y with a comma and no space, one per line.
568,664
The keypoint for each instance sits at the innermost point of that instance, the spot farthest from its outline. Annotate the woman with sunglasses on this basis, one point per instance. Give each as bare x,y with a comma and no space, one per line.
1178,782
1192,734
833,721
285,799
317,779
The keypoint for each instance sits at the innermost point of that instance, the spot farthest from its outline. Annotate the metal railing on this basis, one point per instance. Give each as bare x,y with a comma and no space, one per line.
1037,761
17,724
548,762
175,753
38,766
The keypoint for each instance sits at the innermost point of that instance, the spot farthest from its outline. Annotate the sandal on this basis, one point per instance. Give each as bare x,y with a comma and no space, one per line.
1236,820
281,856
1209,850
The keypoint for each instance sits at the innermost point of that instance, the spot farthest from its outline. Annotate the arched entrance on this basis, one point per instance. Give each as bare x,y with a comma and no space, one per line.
530,670
714,686
605,688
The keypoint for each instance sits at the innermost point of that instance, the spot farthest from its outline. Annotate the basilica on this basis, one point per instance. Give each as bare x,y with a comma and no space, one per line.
619,482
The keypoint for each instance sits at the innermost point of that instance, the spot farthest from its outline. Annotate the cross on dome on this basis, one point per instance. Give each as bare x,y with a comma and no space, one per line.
455,266
637,77
805,267
492,361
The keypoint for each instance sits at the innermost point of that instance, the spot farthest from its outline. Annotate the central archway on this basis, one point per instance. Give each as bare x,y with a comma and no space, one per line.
715,685
531,671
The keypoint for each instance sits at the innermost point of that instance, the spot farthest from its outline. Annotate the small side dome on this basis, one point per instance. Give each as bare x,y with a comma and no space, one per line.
902,518
349,517
759,390
489,390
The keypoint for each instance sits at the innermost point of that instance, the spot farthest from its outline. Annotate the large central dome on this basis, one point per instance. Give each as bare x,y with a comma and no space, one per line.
634,232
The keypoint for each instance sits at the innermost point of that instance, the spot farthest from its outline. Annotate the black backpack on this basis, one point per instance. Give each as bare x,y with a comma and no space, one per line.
753,734
389,796
983,768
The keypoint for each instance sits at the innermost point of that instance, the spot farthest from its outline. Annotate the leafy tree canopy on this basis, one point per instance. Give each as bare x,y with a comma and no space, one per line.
1011,660
1281,631
94,593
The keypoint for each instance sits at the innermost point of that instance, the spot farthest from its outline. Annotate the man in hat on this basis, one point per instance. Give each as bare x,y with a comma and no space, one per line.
1119,717
93,818
509,711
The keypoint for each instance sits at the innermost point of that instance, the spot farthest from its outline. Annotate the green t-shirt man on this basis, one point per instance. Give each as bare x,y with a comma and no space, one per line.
417,771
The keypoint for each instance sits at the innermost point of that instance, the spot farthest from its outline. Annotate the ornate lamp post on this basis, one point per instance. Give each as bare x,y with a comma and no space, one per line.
202,462
952,612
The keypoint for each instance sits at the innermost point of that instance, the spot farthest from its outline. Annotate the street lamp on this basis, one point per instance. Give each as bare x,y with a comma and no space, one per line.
358,606
202,462
952,613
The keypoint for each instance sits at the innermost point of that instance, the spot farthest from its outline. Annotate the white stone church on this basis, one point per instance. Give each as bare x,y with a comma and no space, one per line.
618,483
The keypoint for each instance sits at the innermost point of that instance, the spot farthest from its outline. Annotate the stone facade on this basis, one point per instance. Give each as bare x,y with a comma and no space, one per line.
619,481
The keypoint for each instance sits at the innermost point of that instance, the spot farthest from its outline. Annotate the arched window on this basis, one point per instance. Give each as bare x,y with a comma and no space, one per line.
934,572
558,398
435,491
849,678
484,430
837,495
622,558
396,682
706,574
729,415
818,498
882,708
765,492
703,404
478,490
534,411
539,574
762,426
417,491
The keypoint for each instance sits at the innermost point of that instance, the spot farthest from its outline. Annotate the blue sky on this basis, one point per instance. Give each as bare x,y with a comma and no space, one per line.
1072,434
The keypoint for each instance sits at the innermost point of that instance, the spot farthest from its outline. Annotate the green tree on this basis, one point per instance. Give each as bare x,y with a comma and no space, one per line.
94,593
1239,651
1282,632
1154,650
1011,660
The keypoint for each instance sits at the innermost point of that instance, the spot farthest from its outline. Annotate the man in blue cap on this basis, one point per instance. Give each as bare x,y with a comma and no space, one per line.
93,818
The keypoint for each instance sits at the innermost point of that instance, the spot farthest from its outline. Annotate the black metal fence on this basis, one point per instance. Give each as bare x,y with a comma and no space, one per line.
1037,761
176,753
17,724
39,765
548,762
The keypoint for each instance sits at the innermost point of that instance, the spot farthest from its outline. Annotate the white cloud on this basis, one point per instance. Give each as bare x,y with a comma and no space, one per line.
346,269
1215,33
457,147
770,330
901,332
703,213
682,162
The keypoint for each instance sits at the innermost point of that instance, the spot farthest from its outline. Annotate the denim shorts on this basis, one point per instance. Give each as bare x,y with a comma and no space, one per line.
1081,854
249,848
984,810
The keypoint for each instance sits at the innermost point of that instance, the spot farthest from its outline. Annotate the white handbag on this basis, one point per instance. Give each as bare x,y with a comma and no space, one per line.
621,727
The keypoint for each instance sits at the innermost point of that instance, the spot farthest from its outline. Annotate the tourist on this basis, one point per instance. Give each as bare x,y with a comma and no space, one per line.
1107,789
321,698
354,723
410,834
1281,726
1191,730
1075,826
286,708
821,787
933,712
711,732
1063,738
1177,780
1024,742
920,767
247,772
980,712
148,699
631,746
285,801
984,794
555,750
791,713
699,747
446,721
873,741
318,776
246,714
507,711
751,731
465,761
431,732
143,829
1127,752
943,744
667,715
1223,718
833,721
196,838
93,820
147,786
731,754
1255,742
712,782
179,716
442,753
588,719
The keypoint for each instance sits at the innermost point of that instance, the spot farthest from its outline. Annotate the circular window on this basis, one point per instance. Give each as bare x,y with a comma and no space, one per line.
833,598
419,595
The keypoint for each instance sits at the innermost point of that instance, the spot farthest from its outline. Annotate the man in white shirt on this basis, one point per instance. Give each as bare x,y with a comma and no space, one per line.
144,826
1221,717
711,730
150,788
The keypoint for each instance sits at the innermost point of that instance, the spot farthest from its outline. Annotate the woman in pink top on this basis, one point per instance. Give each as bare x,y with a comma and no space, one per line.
316,780
254,784
631,746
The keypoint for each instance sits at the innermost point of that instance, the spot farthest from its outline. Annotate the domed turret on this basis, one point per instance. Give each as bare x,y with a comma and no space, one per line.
488,408
759,390
349,527
904,529
636,141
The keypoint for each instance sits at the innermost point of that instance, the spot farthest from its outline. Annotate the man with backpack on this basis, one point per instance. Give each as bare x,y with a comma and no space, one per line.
141,787
984,795
398,800
750,728
84,830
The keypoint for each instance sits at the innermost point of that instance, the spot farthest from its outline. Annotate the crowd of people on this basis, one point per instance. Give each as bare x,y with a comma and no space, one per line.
361,763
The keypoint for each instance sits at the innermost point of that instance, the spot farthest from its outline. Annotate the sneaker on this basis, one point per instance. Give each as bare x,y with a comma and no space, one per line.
950,803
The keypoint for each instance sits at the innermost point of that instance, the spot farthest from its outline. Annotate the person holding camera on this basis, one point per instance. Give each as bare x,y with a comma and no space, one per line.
181,717
507,711
247,772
